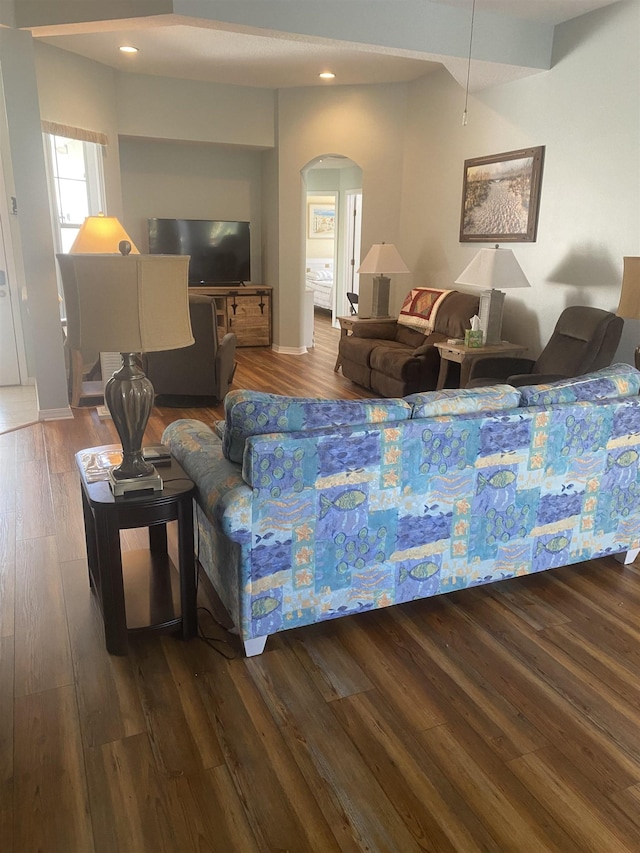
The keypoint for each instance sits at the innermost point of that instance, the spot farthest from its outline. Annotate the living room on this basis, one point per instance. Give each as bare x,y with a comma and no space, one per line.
171,154
499,718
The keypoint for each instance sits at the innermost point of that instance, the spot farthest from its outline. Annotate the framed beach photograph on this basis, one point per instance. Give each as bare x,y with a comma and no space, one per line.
322,220
501,197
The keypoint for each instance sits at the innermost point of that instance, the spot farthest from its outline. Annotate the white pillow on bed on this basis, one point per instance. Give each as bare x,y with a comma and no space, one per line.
320,275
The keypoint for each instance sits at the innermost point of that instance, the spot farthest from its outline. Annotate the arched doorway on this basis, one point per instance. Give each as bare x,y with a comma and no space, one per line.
333,204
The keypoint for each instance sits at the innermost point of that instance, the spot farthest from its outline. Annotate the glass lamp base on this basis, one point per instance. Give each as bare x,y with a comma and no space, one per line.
136,484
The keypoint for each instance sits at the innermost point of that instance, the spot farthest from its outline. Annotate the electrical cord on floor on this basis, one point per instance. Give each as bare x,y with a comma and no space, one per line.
218,644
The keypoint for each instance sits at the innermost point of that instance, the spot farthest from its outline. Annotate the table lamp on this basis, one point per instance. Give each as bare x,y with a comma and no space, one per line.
129,304
629,306
493,270
101,234
382,258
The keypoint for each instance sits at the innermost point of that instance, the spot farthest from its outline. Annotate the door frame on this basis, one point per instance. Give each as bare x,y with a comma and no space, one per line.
12,281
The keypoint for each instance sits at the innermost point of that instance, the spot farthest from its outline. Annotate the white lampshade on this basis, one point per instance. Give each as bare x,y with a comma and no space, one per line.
629,306
382,259
101,234
494,269
127,303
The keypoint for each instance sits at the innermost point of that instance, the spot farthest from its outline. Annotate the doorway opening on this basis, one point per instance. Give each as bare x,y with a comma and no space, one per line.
331,251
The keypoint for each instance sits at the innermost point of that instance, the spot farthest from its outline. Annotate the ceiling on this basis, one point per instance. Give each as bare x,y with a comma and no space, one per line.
210,51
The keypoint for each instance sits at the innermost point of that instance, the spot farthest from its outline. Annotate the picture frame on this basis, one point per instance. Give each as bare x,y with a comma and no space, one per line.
321,218
501,197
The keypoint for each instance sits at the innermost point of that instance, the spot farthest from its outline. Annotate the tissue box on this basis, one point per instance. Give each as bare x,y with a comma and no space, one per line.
473,339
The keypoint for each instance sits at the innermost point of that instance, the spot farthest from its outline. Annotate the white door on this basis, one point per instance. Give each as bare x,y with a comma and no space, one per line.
352,226
9,369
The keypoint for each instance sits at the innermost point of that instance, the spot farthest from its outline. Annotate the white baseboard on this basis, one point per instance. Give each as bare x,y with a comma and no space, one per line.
289,350
55,414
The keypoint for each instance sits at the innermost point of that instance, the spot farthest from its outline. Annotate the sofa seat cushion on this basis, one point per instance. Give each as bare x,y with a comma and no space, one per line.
358,350
395,361
249,413
463,401
618,380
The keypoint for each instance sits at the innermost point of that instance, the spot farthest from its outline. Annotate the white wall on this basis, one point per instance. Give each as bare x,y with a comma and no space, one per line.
586,112
167,108
367,125
81,93
191,181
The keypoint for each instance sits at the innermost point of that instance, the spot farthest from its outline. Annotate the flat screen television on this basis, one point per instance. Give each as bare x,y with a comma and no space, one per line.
220,251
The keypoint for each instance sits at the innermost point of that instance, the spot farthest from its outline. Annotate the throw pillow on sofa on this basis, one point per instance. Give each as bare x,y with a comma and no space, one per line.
618,380
463,401
250,413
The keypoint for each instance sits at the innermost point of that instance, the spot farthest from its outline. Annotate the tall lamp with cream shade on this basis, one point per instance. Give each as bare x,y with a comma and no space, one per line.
629,306
382,259
493,270
129,304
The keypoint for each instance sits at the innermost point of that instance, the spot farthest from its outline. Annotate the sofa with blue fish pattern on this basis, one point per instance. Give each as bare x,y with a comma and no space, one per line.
309,509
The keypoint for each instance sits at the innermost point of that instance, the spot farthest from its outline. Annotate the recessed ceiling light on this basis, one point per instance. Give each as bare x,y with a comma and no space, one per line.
327,75
127,48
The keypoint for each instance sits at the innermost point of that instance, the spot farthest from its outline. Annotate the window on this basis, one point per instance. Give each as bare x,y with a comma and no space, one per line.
76,188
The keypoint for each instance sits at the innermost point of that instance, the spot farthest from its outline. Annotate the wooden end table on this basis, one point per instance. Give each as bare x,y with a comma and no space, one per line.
140,590
347,324
465,356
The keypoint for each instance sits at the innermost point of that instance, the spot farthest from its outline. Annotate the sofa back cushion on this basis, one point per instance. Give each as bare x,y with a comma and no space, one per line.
411,338
618,380
463,401
250,413
455,313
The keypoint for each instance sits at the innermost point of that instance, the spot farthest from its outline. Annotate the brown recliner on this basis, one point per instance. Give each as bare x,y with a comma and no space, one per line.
203,370
395,360
583,340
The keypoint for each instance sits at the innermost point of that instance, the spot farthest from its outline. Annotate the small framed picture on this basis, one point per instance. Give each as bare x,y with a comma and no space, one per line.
322,220
501,197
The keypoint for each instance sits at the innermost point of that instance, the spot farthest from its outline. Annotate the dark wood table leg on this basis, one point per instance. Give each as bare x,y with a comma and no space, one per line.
111,584
90,539
187,568
158,538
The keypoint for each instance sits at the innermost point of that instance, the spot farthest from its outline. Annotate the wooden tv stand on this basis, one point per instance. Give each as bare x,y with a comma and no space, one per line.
244,310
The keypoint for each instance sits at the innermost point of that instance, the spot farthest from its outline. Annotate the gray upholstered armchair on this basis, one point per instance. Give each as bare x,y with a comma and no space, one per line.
206,368
583,340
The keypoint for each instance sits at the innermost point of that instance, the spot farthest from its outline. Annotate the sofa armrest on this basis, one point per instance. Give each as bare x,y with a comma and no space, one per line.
384,330
225,364
497,369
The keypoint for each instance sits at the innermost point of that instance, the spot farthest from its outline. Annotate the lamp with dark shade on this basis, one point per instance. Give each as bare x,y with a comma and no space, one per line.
129,304
382,258
493,270
629,306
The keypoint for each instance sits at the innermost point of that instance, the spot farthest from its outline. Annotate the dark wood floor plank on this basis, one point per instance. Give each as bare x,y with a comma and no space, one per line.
34,507
333,671
351,798
185,679
30,443
214,813
281,809
396,674
7,572
171,738
599,758
436,815
577,684
132,803
509,812
42,652
108,700
628,801
6,744
67,511
51,809
461,676
583,812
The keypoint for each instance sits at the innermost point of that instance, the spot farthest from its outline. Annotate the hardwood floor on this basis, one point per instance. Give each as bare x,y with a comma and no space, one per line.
500,718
